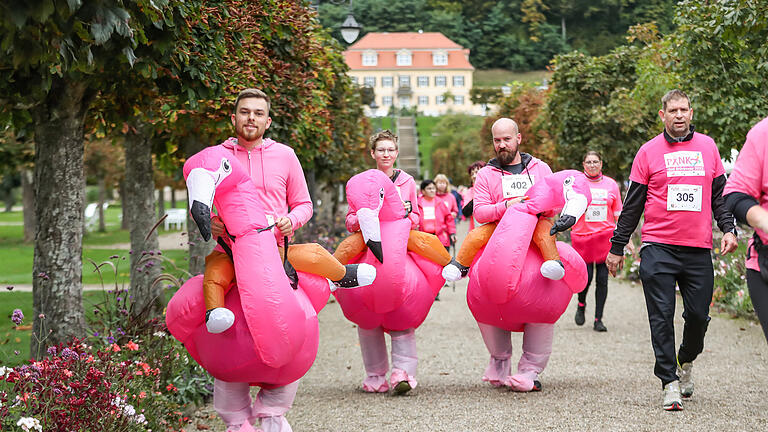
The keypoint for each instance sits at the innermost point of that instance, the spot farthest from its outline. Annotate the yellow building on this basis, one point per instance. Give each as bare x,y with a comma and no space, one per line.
427,71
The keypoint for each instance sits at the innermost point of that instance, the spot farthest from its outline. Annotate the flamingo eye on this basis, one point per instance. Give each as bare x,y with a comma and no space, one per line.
225,166
381,194
568,181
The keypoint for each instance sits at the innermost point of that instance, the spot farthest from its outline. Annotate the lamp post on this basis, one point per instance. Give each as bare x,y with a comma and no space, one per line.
350,28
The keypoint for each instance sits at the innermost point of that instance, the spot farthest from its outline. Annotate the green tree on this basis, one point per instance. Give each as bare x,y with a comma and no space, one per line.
722,54
456,145
58,56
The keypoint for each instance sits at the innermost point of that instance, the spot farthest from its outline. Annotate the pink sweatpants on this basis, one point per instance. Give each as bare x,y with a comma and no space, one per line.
375,359
234,404
537,347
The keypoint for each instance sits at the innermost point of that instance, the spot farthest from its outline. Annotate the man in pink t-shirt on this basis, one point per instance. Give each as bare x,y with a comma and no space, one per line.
746,195
677,179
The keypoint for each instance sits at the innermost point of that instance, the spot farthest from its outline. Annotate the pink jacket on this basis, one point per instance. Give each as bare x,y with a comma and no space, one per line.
750,176
406,188
441,220
489,199
279,179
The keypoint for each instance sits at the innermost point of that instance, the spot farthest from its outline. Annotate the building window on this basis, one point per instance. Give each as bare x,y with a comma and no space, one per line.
354,80
458,80
405,80
458,100
386,100
404,58
369,81
440,81
405,101
440,100
440,58
369,59
386,81
422,81
423,100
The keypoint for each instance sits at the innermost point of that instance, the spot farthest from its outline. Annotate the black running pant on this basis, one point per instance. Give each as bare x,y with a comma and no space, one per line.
661,266
758,292
601,287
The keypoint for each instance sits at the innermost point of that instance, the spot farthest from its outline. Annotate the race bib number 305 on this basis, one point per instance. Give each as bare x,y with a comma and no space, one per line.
515,185
682,197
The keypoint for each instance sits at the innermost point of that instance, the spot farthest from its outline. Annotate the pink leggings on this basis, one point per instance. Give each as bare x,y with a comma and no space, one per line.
234,404
537,347
375,358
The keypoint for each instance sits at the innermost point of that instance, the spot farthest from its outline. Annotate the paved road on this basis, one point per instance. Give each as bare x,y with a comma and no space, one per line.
594,381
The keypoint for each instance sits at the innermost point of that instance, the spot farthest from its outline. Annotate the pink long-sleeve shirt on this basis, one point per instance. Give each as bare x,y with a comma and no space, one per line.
279,179
750,176
494,187
406,188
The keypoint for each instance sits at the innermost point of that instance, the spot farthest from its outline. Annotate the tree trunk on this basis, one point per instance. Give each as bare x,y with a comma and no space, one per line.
198,248
124,218
102,200
59,203
562,26
173,197
139,207
160,202
28,201
7,191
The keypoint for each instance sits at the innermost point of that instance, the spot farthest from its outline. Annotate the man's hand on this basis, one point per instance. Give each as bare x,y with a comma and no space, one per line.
517,200
614,263
285,226
631,247
408,206
728,244
217,227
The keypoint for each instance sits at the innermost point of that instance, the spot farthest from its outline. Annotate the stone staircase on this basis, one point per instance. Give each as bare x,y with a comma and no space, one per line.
408,158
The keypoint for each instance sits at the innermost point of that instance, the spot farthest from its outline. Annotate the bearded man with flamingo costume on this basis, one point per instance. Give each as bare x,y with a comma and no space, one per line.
511,288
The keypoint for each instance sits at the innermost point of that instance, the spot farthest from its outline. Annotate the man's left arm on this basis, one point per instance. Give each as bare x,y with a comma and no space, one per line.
723,217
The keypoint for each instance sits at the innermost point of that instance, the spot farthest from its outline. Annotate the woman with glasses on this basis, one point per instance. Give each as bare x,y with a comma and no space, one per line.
592,233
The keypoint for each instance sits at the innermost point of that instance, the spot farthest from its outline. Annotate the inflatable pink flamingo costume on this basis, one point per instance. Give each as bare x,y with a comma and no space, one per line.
507,292
274,338
406,284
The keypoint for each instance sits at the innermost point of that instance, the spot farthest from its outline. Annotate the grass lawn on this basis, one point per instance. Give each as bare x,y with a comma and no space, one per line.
424,127
17,257
500,77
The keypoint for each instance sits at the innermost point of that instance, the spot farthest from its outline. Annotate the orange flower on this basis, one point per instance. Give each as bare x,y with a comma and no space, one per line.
115,347
171,387
142,395
131,345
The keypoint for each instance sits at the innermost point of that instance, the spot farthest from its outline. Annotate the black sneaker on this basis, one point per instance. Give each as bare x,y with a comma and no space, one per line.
599,326
402,388
536,386
579,318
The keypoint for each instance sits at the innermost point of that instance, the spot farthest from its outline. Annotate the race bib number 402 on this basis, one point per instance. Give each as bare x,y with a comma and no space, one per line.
682,197
515,185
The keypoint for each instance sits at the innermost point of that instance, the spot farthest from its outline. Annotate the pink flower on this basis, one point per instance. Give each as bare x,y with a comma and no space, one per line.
115,348
131,345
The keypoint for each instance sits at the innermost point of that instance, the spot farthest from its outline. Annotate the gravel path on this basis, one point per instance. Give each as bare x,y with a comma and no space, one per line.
594,381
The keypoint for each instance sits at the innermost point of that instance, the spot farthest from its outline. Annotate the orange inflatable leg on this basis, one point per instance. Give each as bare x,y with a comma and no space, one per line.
313,258
351,247
475,240
544,241
218,277
428,246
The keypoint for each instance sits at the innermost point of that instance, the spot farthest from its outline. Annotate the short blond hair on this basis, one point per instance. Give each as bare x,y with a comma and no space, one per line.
443,177
385,135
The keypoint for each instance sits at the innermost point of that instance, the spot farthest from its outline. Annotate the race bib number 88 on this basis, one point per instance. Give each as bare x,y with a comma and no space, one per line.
682,197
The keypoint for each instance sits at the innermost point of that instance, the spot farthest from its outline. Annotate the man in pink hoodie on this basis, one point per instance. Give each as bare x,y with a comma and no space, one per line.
282,190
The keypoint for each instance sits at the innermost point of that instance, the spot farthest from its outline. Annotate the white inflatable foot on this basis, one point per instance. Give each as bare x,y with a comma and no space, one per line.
451,273
219,320
366,274
552,269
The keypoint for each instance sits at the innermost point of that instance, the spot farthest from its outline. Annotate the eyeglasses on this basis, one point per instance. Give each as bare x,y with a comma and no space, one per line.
385,151
592,163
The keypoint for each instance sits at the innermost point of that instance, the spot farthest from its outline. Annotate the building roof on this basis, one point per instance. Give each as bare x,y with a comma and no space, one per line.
407,40
421,45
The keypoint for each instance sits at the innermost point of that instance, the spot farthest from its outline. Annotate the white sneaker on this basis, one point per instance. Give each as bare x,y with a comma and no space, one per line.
672,399
685,372
219,320
553,269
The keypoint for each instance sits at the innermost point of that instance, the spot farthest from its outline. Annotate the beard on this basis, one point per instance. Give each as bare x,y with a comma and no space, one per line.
505,157
248,135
